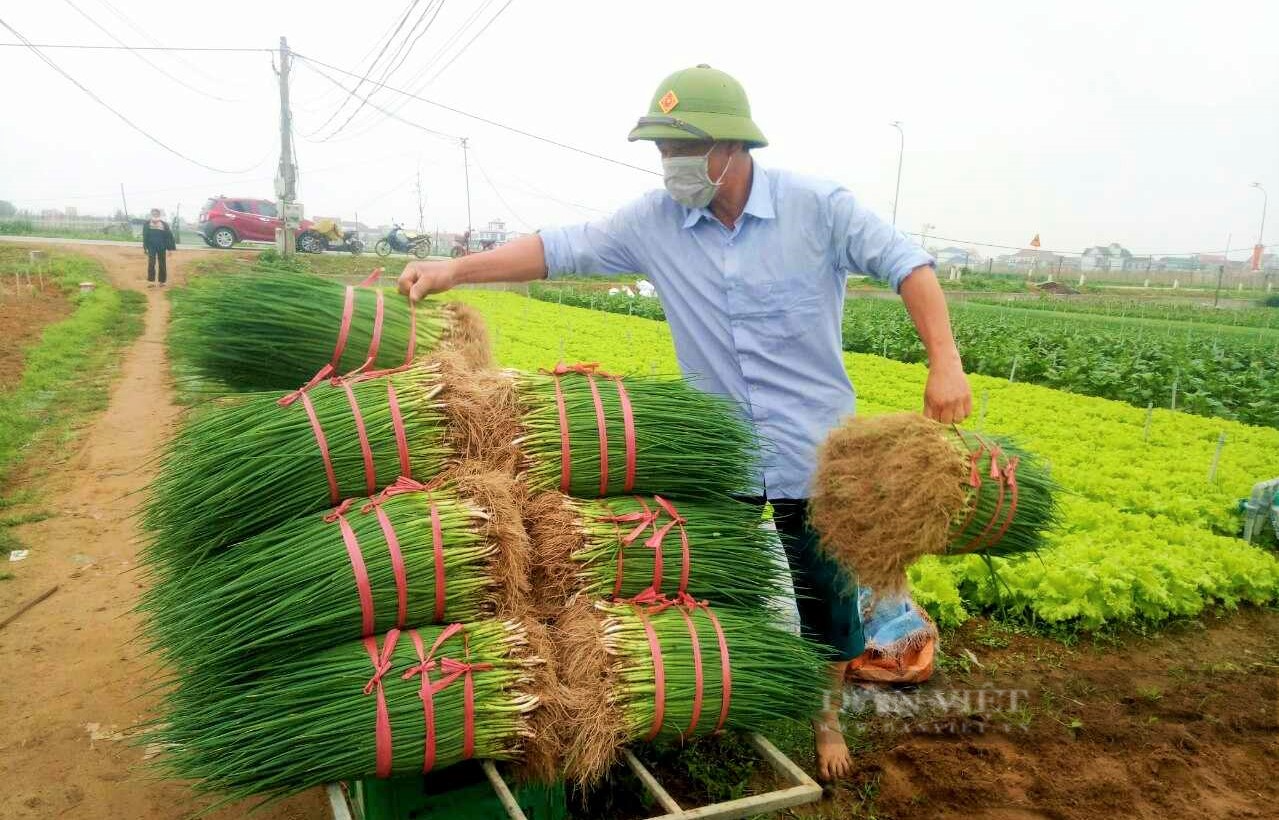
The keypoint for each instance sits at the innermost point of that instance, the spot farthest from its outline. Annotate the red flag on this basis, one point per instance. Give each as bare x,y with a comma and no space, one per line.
1034,243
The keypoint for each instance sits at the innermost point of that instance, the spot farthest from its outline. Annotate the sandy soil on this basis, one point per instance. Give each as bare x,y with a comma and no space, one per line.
72,681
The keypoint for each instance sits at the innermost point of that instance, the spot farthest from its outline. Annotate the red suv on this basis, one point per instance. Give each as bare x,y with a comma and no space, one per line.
226,220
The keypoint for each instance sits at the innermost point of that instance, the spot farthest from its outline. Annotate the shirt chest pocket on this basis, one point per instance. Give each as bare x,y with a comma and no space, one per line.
782,305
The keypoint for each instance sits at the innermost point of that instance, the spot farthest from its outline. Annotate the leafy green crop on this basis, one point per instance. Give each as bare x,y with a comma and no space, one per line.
1143,534
1213,369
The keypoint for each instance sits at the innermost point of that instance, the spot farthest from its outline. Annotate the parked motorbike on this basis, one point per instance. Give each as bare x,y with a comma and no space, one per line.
400,241
327,235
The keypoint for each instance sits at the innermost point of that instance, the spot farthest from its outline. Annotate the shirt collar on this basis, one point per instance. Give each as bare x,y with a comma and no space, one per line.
759,204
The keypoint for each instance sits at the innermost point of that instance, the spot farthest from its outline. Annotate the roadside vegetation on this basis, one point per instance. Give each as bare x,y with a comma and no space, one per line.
66,373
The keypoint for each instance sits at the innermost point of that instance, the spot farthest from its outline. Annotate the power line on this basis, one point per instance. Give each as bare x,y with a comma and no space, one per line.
89,47
372,67
392,115
143,57
501,198
124,18
440,54
488,121
468,43
36,51
396,60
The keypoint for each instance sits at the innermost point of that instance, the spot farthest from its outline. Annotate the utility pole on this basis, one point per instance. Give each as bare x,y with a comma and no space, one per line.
466,171
286,177
421,212
901,151
923,237
1261,233
1221,269
125,203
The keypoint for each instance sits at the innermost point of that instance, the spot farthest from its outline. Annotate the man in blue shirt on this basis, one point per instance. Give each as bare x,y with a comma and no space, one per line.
750,265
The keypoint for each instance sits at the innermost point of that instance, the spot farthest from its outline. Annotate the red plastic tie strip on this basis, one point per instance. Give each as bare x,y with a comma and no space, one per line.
370,470
1010,478
397,425
697,671
601,427
677,520
980,540
402,485
642,520
452,671
381,665
323,444
348,310
368,619
659,676
427,662
375,341
566,454
590,370
397,567
974,479
725,669
628,428
656,603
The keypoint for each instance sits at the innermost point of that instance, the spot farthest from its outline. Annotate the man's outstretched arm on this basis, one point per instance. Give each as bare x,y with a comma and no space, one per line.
947,397
520,260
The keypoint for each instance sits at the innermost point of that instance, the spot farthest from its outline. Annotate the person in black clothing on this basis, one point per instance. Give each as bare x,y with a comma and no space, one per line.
157,239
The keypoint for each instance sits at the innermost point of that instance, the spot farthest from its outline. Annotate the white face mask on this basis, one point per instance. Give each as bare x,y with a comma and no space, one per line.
688,179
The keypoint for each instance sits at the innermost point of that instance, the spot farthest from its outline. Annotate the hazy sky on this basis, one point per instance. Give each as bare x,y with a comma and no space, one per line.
1085,122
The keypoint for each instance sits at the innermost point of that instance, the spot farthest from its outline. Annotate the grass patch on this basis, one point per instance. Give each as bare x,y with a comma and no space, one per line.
66,372
24,227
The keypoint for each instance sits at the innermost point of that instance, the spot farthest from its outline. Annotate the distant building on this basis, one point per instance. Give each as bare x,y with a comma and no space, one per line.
1112,257
1032,259
493,235
959,257
1176,264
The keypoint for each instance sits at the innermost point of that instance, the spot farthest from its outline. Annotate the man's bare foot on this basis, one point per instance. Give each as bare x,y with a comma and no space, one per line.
833,758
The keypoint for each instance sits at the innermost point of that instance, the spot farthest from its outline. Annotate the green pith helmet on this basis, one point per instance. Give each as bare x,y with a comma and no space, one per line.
699,103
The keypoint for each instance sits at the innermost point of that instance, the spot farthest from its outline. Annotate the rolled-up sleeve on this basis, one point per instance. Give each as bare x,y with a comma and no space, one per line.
867,244
598,247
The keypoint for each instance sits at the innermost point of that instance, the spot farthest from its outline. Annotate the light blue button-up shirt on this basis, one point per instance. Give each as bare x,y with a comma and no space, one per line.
755,310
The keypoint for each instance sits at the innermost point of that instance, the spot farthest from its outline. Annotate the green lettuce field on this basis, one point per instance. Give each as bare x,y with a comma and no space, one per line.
1145,535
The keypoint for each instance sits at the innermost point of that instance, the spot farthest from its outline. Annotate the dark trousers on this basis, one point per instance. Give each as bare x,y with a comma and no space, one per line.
152,258
824,594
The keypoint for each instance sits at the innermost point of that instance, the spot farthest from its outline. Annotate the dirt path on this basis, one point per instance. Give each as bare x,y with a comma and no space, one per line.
71,680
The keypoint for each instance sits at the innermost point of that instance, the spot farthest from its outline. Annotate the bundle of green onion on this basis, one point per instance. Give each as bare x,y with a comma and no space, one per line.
340,714
1010,498
633,544
589,434
249,463
298,587
892,488
766,674
273,331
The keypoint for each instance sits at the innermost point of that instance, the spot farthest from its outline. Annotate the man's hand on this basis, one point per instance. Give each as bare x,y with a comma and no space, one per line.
947,397
421,279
